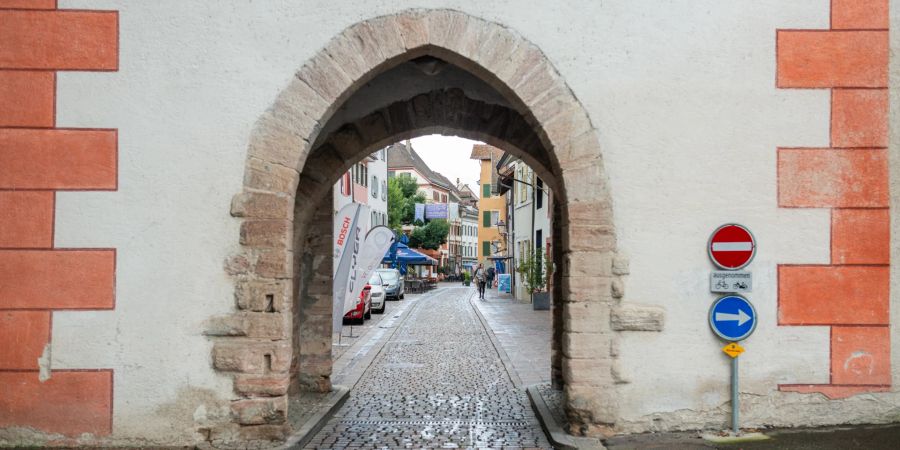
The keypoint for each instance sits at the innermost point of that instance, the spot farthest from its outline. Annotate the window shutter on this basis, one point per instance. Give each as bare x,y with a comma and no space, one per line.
486,191
486,219
485,248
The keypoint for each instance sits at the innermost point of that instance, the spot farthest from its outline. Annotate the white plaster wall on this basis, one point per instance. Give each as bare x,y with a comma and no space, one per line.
681,91
378,169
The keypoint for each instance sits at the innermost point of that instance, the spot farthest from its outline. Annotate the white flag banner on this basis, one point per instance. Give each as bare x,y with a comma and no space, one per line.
349,224
377,242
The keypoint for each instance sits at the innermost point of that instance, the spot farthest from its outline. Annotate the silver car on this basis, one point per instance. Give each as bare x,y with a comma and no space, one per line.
394,286
378,296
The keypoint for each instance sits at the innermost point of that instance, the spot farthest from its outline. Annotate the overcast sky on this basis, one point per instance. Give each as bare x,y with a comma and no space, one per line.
449,155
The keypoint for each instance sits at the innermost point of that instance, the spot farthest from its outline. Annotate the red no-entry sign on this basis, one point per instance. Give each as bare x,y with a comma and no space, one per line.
731,246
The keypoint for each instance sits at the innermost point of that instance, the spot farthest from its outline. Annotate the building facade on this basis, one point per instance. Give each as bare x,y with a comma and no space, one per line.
491,207
528,204
468,216
365,183
166,171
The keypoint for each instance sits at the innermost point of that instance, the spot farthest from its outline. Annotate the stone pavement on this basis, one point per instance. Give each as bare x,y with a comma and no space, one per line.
438,382
523,333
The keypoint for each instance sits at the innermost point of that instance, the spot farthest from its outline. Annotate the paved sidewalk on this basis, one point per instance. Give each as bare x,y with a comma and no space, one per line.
523,333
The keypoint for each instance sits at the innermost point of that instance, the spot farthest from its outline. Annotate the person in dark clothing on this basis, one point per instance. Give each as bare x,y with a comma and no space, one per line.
480,280
490,277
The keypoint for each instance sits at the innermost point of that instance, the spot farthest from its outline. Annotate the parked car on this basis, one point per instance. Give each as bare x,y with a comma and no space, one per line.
363,310
378,297
394,286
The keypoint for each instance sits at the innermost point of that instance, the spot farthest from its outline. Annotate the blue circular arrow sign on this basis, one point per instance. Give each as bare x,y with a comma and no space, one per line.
732,318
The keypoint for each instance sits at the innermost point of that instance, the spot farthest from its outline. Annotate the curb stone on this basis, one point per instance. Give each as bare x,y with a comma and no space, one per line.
554,431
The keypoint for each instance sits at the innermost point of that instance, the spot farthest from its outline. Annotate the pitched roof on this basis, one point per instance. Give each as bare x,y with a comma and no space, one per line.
484,151
403,155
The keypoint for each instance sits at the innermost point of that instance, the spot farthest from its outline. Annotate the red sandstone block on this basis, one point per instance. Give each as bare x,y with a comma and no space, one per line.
817,59
833,295
26,98
27,4
832,178
23,335
69,403
832,392
57,279
859,118
26,219
58,159
859,14
63,40
860,236
861,355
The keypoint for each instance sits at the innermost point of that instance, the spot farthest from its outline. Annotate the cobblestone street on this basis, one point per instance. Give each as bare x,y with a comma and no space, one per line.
437,383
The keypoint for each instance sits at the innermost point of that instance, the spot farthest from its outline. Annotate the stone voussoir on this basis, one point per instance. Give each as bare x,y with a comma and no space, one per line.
270,177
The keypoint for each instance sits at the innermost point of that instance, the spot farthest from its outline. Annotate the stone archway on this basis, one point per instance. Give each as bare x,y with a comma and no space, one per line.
286,173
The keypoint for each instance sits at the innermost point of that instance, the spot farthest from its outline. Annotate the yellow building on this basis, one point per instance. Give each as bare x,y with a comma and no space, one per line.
491,207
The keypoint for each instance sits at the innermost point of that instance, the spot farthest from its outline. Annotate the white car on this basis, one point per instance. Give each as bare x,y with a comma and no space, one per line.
394,286
378,297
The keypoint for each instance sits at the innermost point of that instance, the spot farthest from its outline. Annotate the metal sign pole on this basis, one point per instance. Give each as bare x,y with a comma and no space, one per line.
735,407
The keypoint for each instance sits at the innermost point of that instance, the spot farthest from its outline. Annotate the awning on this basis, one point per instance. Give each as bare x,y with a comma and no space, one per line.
406,255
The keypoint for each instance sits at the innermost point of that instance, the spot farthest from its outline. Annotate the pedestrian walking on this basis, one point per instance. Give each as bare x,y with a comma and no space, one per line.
480,280
490,272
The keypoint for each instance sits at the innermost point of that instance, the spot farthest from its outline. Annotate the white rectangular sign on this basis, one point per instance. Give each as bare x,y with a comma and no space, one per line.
730,281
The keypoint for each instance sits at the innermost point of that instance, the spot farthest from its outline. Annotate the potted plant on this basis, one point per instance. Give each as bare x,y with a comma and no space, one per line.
534,275
467,279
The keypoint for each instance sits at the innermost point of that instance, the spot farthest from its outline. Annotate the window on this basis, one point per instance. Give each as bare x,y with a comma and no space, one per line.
495,217
384,190
486,191
374,186
435,196
485,248
539,199
443,198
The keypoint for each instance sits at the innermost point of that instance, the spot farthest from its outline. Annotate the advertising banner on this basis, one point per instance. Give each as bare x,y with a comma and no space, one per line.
377,242
503,282
420,212
348,225
453,213
436,211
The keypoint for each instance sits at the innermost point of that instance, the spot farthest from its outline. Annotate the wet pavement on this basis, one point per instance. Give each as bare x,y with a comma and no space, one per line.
523,333
868,437
438,382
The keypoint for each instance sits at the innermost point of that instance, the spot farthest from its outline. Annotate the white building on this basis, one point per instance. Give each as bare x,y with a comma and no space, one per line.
165,167
529,211
365,183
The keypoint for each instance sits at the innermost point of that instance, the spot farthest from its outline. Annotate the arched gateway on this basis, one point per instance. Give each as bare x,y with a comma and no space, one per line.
483,81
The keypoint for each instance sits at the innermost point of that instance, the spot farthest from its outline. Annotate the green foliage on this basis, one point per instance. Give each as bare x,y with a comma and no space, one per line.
431,236
403,194
533,270
467,277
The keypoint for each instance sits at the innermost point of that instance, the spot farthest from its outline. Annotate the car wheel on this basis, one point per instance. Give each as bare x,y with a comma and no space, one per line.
379,310
367,315
402,296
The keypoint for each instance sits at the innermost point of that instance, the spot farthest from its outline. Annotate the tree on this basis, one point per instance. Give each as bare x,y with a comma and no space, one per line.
431,236
403,194
533,270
